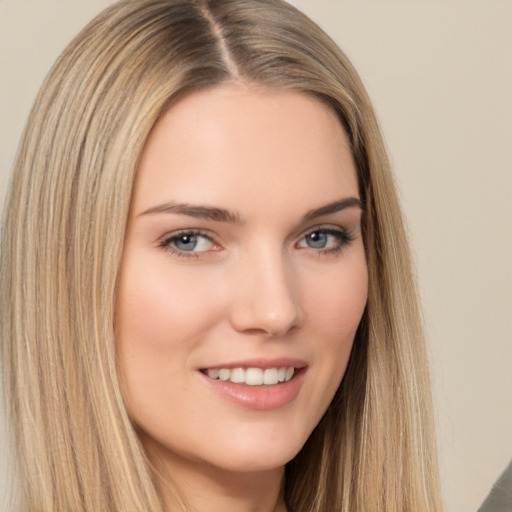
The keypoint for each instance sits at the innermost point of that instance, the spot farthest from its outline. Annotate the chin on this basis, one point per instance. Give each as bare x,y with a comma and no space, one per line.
256,454
254,463
250,450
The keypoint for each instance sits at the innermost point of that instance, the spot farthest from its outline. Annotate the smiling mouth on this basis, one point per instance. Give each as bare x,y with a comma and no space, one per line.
252,376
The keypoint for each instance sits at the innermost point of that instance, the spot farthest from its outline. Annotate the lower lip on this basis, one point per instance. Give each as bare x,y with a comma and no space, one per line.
260,398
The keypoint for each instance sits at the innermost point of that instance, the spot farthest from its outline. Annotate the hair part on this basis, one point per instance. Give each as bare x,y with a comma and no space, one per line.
63,233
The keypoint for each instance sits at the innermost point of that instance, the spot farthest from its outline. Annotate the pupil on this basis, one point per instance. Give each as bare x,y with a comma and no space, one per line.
317,240
186,242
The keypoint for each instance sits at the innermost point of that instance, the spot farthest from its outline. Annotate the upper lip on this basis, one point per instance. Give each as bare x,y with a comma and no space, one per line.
263,363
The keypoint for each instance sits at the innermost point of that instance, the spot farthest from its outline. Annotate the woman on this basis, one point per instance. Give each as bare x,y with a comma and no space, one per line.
200,188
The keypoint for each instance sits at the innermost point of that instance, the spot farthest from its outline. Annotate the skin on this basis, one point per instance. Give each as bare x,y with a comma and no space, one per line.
257,285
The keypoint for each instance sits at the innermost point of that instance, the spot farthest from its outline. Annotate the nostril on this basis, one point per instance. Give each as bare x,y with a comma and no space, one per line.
279,323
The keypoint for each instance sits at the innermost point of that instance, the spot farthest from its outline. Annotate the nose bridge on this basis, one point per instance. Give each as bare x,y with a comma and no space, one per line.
267,298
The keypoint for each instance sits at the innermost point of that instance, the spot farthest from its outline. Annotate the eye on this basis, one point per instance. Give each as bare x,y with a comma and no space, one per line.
326,240
317,240
188,243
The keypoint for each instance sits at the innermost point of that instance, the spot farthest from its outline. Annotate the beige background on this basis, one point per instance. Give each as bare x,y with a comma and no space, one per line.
440,74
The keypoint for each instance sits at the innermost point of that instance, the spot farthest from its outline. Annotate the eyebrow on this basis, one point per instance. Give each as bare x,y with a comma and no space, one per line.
200,212
223,215
336,206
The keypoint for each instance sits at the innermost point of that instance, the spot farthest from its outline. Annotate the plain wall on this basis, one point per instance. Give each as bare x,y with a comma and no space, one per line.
440,75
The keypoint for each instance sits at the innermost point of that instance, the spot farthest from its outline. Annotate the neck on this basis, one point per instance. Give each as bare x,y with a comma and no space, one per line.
198,487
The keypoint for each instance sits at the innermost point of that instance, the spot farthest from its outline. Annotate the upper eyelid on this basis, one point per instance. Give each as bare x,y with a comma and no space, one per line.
324,227
166,242
215,239
330,230
213,236
187,231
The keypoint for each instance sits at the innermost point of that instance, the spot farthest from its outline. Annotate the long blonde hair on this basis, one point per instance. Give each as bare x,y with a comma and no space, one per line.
62,241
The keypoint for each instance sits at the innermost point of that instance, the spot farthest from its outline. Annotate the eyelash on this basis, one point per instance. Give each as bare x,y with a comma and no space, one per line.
342,236
343,239
167,242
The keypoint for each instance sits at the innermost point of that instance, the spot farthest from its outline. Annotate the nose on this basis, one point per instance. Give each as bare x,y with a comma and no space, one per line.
266,299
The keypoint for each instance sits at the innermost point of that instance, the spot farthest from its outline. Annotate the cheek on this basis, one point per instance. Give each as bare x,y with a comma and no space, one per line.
158,309
335,310
337,306
161,318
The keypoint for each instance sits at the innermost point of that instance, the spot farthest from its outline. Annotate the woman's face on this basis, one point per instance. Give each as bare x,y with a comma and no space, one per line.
243,278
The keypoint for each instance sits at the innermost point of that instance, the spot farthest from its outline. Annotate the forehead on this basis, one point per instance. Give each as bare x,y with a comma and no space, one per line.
232,144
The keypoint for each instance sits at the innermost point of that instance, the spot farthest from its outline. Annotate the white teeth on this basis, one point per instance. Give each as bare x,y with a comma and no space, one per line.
270,376
213,373
237,375
252,376
224,374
